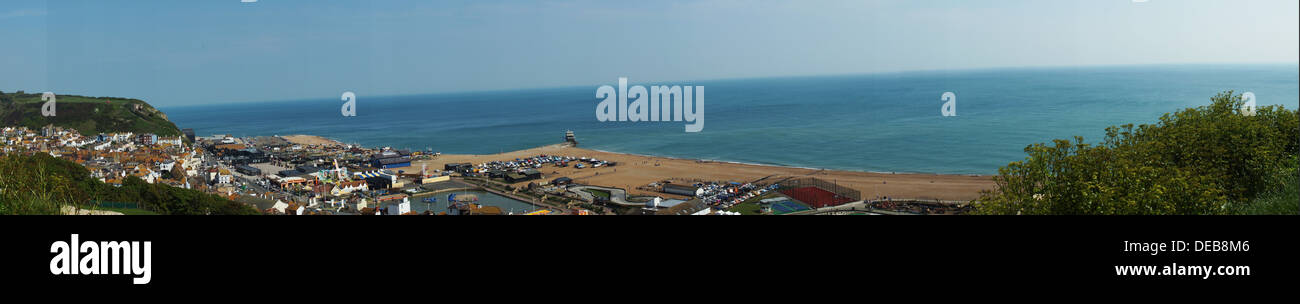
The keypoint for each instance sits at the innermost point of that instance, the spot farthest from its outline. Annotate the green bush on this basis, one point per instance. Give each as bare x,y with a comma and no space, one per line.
1282,200
42,184
1204,160
28,189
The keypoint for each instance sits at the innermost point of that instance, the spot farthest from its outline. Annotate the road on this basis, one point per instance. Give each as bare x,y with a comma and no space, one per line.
616,196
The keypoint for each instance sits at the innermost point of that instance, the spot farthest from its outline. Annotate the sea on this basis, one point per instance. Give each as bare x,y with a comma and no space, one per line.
887,122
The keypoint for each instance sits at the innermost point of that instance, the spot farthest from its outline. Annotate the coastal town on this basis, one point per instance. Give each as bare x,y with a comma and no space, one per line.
309,175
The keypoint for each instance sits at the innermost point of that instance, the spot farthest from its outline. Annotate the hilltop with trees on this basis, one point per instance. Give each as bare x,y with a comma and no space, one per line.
88,115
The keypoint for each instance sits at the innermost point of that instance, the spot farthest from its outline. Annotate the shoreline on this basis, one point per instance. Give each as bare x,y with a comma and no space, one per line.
775,165
635,172
321,140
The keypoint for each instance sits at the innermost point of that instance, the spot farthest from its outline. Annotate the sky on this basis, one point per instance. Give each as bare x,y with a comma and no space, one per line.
174,53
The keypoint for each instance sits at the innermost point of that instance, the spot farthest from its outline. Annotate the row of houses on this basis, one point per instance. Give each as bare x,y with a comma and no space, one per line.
111,157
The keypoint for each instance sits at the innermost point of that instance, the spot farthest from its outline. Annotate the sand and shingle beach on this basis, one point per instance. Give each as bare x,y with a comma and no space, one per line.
634,171
309,140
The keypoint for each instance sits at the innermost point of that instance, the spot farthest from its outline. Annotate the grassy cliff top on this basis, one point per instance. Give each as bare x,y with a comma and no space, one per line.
88,115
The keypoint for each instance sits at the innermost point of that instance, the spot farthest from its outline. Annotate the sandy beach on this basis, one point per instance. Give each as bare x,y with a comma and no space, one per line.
634,171
310,140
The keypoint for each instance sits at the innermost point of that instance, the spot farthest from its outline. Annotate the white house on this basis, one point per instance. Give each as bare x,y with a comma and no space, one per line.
121,137
396,208
279,206
362,205
152,176
224,177
175,141
349,187
76,142
167,165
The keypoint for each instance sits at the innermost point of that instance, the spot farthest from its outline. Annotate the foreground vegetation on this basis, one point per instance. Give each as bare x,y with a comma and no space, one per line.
1204,160
1284,200
42,184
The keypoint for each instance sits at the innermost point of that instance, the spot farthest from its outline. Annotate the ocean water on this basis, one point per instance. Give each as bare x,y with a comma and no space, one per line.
876,122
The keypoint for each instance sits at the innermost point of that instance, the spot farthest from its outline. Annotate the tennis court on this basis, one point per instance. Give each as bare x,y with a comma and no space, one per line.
788,206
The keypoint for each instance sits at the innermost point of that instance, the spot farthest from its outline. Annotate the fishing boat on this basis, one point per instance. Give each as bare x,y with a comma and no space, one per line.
462,204
539,212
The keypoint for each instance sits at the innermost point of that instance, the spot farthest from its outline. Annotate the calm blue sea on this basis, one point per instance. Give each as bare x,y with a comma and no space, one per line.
877,122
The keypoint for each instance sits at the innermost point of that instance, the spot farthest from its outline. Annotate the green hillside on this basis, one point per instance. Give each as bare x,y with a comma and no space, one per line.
88,115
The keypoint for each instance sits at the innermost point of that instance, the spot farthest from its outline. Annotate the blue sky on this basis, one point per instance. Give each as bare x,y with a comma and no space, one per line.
196,52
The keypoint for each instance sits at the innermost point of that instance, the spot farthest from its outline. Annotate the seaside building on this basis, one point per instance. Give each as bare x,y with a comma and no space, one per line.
167,165
691,207
223,176
434,179
146,139
526,175
391,198
399,207
657,203
322,189
458,167
280,206
561,181
682,190
382,181
309,170
175,141
390,159
248,170
515,178
345,188
290,182
120,137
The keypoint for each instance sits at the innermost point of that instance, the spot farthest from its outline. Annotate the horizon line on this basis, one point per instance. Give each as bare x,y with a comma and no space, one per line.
912,71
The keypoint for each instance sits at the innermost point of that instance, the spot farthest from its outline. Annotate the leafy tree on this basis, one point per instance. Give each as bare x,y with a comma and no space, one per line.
176,174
